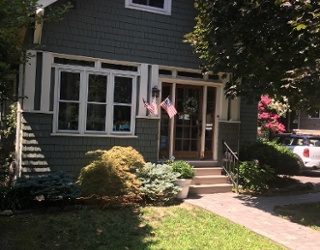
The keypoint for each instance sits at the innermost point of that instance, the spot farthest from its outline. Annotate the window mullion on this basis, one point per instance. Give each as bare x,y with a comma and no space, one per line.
109,115
83,101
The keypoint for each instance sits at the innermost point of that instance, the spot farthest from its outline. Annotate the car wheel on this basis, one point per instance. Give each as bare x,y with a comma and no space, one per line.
300,163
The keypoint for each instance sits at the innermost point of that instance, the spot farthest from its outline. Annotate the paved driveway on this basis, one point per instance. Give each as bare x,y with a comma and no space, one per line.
256,213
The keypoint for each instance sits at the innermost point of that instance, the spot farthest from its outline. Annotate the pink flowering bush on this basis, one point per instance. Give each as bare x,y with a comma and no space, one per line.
269,117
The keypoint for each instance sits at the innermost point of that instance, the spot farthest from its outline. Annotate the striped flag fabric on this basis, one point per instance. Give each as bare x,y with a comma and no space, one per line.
150,107
168,107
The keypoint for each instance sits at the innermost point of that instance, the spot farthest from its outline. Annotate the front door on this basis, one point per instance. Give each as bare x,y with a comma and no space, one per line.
190,134
188,122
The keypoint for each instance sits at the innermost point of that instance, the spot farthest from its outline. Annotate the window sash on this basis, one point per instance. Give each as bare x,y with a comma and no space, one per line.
133,99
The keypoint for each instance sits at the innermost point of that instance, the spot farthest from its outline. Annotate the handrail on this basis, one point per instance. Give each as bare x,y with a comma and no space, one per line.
231,165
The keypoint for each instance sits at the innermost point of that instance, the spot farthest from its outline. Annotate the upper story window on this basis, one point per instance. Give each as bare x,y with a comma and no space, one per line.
155,6
315,114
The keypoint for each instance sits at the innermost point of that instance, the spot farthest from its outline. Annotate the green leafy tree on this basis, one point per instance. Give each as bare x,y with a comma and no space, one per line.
273,46
16,17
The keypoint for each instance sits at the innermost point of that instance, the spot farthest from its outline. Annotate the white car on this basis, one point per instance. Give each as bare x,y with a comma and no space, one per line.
305,147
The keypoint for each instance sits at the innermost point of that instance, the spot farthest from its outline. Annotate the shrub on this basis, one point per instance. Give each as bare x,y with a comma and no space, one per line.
126,158
112,173
158,182
185,170
255,177
280,158
53,187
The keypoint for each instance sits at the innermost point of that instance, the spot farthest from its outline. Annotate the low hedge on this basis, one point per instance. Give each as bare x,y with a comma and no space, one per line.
278,157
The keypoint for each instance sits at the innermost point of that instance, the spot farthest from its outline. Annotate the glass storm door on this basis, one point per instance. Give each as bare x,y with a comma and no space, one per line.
188,122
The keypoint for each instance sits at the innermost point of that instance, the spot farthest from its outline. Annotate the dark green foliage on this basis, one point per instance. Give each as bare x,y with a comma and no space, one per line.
183,168
158,182
278,157
255,177
273,46
55,186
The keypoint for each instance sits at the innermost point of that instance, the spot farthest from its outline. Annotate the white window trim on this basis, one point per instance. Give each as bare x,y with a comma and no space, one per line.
166,10
84,72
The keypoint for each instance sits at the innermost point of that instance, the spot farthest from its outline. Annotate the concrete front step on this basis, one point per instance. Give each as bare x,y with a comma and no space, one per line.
210,188
204,164
210,179
208,171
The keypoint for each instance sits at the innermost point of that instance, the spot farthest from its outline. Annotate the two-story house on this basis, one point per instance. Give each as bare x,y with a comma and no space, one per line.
84,85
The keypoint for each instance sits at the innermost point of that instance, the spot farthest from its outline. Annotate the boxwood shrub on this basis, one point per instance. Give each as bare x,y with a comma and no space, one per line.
278,157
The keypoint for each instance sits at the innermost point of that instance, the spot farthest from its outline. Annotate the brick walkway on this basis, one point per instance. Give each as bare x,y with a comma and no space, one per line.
255,213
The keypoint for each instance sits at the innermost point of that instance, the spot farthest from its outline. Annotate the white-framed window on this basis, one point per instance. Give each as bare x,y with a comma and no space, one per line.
155,6
90,101
314,115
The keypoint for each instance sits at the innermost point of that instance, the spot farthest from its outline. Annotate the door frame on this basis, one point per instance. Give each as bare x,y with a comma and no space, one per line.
219,95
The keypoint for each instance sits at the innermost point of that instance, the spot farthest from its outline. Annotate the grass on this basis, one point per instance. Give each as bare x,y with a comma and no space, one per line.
175,227
306,214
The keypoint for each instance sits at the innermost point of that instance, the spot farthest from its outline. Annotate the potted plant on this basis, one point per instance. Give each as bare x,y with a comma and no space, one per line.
186,172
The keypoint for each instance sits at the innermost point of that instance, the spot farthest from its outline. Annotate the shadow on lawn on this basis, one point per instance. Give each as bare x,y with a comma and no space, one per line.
121,228
305,214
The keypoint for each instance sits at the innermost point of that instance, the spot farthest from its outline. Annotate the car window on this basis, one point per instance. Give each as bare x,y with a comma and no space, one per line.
314,142
284,140
298,142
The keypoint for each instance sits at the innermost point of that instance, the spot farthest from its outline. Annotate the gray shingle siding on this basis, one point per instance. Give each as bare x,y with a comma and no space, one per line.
307,123
248,128
42,152
106,29
228,132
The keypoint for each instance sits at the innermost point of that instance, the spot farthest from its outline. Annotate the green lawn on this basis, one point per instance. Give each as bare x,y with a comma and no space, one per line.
175,227
307,214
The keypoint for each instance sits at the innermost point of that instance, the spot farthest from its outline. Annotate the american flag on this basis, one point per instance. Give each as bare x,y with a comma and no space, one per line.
152,108
167,106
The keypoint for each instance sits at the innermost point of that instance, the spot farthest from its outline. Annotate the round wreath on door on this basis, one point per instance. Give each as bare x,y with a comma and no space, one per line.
191,106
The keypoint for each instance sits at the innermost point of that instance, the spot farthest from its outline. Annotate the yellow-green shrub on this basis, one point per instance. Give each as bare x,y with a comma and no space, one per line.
112,172
124,157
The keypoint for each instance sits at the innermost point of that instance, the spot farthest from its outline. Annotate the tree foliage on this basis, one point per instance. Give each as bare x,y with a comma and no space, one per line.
269,113
273,46
16,17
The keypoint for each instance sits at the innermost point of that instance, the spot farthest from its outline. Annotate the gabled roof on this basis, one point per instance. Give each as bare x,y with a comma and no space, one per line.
45,3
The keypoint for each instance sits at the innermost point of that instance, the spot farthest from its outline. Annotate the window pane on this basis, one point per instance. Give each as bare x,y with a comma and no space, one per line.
122,89
97,88
121,118
153,3
96,117
144,2
314,114
157,3
69,86
68,116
